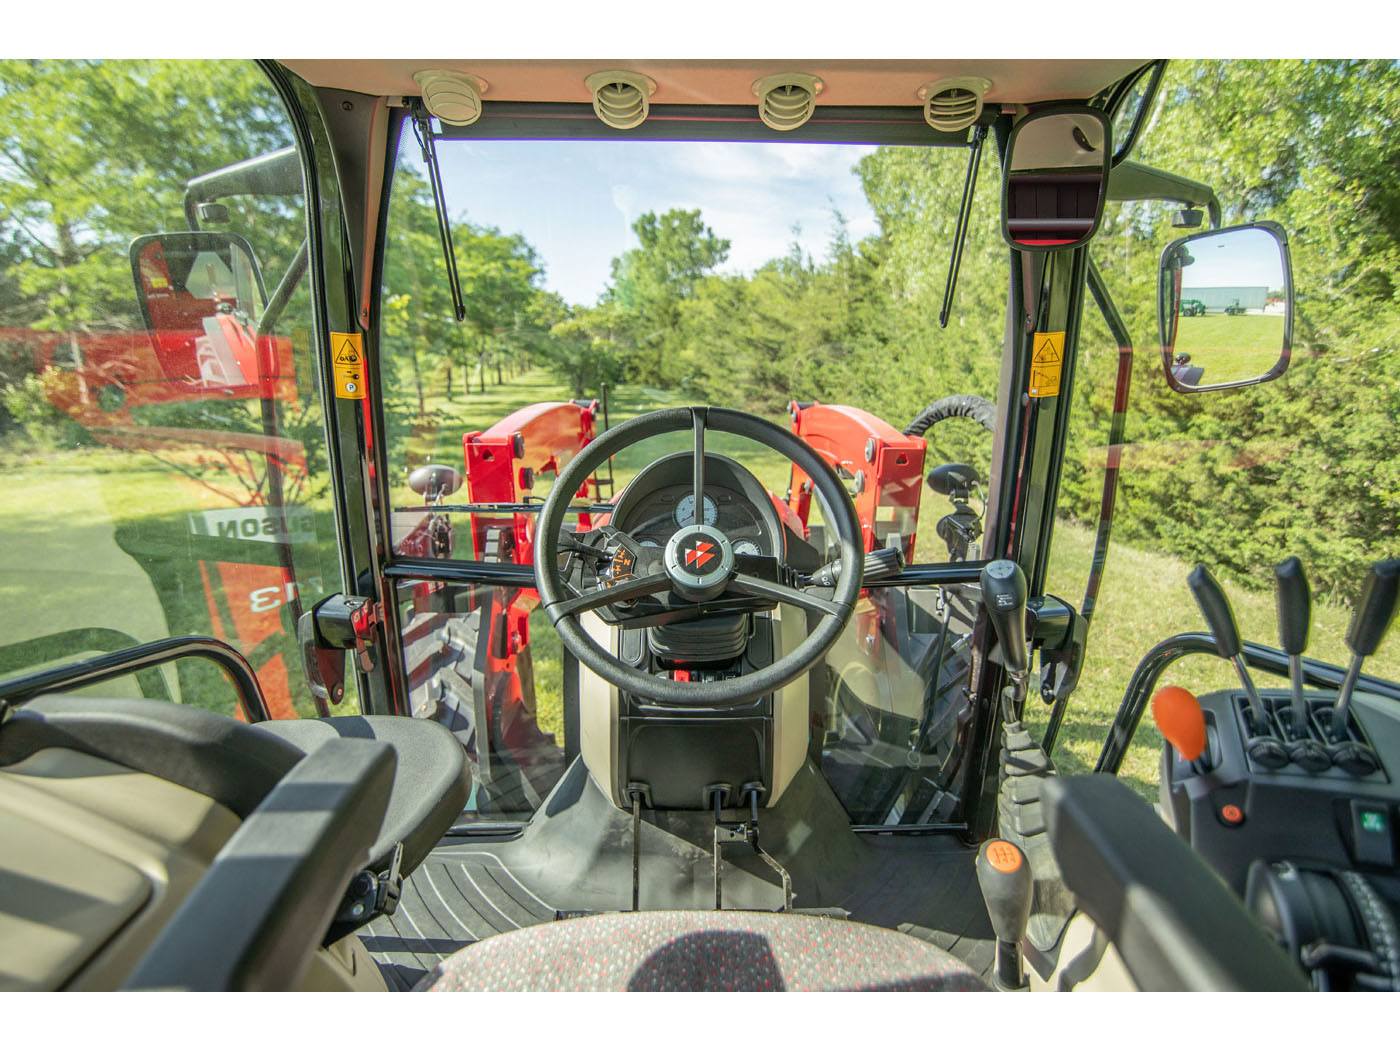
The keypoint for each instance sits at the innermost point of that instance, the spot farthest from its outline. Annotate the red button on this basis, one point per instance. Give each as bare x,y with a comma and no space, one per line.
1231,814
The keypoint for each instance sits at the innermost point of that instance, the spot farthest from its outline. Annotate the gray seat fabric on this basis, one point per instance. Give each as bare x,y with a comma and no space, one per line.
431,783
701,952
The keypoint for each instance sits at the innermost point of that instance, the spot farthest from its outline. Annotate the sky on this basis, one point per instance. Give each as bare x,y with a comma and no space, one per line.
1248,258
575,201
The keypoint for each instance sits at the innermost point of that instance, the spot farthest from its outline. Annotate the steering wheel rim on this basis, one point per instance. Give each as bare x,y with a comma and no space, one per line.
563,611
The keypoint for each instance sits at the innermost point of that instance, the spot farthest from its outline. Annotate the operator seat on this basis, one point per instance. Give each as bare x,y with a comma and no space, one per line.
717,951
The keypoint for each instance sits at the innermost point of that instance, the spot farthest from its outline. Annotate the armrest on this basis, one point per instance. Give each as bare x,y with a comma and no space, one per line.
1174,922
260,912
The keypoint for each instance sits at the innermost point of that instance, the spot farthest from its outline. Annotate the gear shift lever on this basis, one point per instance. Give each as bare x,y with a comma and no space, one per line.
1004,597
1005,878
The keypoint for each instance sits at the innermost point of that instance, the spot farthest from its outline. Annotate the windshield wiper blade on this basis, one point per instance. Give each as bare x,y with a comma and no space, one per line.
423,132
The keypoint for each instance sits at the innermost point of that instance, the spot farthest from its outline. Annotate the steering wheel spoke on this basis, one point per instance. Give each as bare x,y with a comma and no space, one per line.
697,425
757,587
627,591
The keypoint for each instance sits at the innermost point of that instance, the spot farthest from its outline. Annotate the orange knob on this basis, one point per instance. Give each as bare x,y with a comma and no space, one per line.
1178,716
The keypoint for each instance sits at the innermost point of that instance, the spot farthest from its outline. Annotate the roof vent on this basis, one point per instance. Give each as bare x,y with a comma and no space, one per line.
620,99
453,98
786,100
955,103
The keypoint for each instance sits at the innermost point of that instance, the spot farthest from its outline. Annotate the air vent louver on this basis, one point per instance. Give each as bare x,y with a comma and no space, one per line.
955,103
786,100
453,98
621,99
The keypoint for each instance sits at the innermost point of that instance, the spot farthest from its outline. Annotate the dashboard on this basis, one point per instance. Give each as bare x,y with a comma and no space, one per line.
660,500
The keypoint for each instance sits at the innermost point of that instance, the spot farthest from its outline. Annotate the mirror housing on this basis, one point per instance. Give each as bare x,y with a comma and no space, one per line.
1225,308
201,295
1055,180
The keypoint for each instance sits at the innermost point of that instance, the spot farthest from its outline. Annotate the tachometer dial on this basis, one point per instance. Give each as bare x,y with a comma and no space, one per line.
747,547
685,510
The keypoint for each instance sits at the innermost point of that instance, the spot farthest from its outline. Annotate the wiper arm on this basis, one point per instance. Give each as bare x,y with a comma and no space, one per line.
423,132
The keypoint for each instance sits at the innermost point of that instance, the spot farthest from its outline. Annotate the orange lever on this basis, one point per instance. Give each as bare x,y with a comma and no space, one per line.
1178,716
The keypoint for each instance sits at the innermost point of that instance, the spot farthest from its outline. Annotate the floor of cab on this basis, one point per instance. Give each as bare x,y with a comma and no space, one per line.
575,856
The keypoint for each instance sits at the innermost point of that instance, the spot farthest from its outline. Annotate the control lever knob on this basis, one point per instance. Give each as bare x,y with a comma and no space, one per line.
1180,720
1215,608
1294,605
1004,596
1375,608
1005,878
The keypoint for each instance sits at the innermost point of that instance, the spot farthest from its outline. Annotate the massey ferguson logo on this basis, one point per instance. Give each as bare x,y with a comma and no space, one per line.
699,553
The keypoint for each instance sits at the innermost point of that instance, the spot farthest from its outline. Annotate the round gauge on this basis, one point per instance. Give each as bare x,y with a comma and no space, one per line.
650,543
747,547
685,510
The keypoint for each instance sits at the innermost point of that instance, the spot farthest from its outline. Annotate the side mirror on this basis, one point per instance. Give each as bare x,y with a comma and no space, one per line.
201,295
434,481
1225,308
1056,178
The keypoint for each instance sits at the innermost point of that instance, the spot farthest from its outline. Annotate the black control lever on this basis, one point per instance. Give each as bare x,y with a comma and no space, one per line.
1262,746
1294,618
1220,618
1375,609
878,565
1004,596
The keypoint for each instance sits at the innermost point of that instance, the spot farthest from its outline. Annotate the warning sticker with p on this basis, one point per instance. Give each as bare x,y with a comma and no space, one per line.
1047,359
348,361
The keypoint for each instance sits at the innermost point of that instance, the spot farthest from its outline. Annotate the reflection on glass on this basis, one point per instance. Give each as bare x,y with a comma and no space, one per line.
1232,307
895,702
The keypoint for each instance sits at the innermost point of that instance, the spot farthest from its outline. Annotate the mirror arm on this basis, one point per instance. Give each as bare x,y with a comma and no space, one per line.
282,294
1131,181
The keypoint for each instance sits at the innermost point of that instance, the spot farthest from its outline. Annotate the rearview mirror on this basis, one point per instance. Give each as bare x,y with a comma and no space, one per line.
1055,179
1225,308
201,294
195,270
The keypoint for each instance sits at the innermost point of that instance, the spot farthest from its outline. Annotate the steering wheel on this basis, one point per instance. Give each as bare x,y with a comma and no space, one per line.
698,564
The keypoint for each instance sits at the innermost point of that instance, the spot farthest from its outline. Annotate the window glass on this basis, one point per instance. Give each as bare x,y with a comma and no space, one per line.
603,280
1239,480
161,436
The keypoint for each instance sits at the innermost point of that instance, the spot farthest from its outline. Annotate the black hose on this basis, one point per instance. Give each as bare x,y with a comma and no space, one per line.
968,406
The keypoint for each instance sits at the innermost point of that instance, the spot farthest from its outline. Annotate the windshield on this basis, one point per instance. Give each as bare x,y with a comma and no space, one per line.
602,280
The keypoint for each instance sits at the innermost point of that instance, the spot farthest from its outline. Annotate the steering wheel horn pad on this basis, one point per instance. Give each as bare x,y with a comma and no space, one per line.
700,562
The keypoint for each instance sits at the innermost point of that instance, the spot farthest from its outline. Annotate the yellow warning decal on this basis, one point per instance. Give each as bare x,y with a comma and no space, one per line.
1047,359
348,361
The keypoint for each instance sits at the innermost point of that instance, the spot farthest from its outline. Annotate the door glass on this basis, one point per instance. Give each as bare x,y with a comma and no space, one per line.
161,435
1238,480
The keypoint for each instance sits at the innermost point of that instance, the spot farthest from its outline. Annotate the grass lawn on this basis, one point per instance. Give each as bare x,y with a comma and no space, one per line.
1231,348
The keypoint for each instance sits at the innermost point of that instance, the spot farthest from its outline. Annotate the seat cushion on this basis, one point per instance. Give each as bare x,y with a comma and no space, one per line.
701,952
431,783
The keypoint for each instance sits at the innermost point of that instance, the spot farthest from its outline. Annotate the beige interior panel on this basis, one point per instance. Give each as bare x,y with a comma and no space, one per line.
1077,952
846,82
791,717
60,901
598,713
